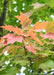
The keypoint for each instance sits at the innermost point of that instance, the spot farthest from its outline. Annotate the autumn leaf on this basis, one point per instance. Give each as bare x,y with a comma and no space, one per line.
30,32
47,35
10,49
27,39
11,38
13,49
25,21
40,26
1,43
4,50
8,27
50,27
31,49
11,28
17,30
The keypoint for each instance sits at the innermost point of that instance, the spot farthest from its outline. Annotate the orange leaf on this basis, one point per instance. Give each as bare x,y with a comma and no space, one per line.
1,41
8,27
25,21
40,26
36,25
11,28
34,37
17,30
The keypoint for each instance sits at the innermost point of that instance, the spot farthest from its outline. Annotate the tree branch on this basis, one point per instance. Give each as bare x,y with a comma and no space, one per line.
31,65
2,17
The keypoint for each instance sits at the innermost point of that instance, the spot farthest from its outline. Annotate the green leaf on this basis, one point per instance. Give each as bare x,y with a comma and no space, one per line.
18,43
47,65
22,62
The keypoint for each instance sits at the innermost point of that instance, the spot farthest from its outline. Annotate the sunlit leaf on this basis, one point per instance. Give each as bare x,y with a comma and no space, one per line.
50,27
40,26
11,28
25,21
34,37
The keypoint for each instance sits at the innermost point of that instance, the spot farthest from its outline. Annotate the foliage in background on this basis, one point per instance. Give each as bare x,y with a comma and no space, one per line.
14,8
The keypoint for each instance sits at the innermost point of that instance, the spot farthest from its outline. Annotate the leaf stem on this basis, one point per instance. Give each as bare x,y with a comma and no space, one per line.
29,58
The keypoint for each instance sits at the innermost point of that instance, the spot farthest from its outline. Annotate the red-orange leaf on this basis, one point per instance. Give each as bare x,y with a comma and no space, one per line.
17,30
25,21
30,32
40,26
11,38
8,27
11,28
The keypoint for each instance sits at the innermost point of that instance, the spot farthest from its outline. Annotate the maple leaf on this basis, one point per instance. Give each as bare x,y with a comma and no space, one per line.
30,32
31,49
47,35
11,38
25,21
40,26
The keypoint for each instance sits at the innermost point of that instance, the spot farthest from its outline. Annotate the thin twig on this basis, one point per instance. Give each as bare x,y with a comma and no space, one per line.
31,64
49,72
